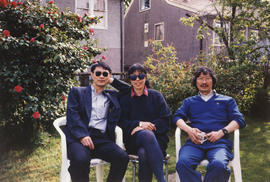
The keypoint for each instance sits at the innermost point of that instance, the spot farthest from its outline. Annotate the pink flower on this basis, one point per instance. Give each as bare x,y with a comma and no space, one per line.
50,2
63,97
18,88
41,26
91,31
79,18
32,40
13,4
95,61
6,33
103,57
35,115
85,48
3,3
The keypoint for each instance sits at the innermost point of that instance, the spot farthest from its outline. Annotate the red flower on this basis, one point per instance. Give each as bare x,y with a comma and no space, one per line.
35,115
50,2
18,88
63,97
32,40
91,31
19,3
95,61
85,48
6,33
79,18
13,4
3,3
103,57
41,26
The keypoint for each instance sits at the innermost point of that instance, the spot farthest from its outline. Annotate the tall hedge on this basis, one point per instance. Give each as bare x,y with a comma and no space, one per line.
40,50
173,77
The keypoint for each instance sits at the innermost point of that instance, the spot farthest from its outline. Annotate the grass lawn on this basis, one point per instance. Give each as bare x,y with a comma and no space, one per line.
42,161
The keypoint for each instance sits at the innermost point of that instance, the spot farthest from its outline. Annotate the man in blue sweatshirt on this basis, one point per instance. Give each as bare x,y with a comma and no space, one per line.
207,118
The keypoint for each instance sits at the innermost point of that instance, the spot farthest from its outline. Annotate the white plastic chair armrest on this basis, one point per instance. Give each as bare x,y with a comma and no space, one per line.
119,137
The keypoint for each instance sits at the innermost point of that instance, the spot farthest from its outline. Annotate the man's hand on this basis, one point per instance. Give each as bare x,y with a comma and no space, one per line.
87,142
147,125
195,138
138,128
214,135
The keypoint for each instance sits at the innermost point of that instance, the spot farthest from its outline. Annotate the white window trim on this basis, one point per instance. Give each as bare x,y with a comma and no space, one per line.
161,23
91,14
146,9
214,34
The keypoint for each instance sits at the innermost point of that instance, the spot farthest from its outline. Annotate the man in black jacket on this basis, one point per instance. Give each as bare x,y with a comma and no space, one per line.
92,115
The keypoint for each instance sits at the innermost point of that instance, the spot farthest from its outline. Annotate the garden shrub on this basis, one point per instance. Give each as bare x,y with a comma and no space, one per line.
40,48
173,77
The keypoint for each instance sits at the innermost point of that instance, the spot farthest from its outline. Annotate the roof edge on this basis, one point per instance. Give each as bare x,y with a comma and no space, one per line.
128,8
181,6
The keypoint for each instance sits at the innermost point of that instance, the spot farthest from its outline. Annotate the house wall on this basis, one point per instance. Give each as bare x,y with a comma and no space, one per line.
182,37
106,38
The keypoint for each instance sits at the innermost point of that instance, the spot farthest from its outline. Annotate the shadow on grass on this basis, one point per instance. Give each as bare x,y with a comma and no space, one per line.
255,155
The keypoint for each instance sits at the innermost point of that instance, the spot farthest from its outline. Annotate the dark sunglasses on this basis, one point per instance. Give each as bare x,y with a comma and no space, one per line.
98,73
134,77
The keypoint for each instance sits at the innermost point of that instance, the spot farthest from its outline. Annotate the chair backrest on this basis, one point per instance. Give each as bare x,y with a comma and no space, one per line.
57,124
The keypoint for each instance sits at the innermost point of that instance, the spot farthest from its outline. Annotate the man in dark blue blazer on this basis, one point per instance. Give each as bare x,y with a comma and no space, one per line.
92,115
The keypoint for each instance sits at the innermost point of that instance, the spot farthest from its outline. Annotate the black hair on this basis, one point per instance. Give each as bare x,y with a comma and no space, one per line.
140,68
204,70
100,64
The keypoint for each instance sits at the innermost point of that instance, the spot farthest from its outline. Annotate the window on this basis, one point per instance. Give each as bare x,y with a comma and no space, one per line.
159,31
217,41
144,5
94,8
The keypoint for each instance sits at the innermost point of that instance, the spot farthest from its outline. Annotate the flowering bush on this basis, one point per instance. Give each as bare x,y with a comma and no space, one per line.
40,50
173,78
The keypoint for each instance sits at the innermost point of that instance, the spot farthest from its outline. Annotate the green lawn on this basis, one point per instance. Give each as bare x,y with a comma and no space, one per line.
42,162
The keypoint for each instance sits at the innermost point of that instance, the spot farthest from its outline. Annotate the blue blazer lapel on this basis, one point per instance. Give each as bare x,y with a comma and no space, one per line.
113,99
88,101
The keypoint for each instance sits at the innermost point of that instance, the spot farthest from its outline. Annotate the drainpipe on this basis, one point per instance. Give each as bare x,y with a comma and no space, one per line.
121,36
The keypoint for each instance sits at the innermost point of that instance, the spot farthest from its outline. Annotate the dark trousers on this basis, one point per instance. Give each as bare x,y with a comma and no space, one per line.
105,149
150,156
191,155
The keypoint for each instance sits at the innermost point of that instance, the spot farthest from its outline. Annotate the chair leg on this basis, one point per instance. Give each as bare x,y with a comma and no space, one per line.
99,172
133,171
167,172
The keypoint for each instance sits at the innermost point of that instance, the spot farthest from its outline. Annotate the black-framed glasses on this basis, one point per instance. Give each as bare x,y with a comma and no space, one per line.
134,77
105,73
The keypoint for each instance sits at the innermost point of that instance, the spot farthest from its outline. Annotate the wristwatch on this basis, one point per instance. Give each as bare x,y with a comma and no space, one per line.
225,131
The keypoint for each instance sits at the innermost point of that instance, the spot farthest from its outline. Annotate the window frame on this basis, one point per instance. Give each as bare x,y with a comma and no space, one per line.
145,9
91,13
158,24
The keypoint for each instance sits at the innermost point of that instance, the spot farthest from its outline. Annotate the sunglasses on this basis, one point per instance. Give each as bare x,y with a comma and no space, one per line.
98,73
134,77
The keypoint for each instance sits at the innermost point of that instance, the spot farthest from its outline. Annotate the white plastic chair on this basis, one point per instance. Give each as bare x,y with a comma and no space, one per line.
64,174
235,163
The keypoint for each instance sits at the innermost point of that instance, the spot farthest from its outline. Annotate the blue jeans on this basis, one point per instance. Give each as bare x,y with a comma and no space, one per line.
191,155
150,156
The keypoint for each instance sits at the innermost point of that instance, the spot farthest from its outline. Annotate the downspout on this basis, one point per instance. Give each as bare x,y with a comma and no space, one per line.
121,36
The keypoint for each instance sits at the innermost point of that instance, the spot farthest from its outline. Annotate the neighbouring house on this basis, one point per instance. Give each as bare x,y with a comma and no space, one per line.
159,20
109,32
